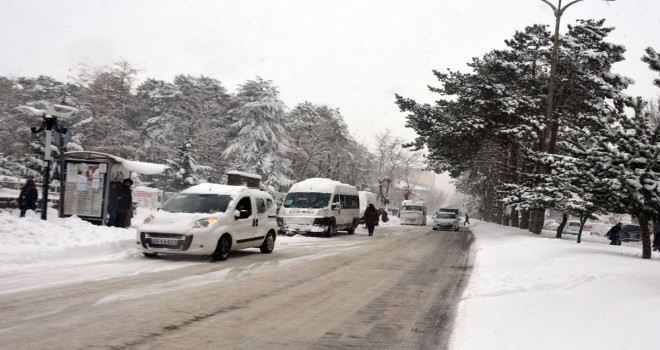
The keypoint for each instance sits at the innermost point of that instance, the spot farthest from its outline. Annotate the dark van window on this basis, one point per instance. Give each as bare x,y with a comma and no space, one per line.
245,204
261,205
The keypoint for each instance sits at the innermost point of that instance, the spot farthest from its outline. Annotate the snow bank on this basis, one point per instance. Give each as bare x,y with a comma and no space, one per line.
31,240
538,292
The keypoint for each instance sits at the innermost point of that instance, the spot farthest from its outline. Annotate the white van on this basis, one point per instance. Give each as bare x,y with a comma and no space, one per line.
319,205
210,219
366,198
413,213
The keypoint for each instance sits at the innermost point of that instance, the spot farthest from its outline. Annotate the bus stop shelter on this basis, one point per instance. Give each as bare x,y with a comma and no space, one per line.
87,177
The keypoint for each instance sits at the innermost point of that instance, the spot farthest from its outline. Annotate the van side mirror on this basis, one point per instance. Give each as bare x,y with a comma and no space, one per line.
241,214
336,206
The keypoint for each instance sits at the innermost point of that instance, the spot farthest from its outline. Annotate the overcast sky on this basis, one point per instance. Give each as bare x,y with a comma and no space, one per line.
353,55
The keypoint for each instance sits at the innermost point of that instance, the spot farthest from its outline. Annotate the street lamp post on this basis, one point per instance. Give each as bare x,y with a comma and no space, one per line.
48,124
546,145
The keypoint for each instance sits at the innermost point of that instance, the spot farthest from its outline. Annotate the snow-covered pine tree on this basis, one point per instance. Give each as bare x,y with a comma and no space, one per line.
108,106
497,103
184,171
258,141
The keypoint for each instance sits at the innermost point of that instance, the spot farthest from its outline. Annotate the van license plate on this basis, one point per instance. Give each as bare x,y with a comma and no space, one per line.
163,241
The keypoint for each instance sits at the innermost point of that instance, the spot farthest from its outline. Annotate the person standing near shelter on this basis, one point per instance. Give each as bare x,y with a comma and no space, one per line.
28,197
124,204
614,234
371,216
112,202
467,220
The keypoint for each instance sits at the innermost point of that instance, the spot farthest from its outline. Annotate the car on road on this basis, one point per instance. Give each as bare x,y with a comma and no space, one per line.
210,219
446,221
631,233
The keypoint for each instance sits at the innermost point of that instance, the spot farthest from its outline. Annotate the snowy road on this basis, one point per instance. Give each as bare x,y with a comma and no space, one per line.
398,289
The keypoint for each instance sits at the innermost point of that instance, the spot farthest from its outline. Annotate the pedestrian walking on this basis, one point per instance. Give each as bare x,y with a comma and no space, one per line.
371,217
124,204
614,234
467,220
27,199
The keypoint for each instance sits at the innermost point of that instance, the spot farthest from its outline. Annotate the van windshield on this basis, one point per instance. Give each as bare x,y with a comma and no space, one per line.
411,208
307,200
197,203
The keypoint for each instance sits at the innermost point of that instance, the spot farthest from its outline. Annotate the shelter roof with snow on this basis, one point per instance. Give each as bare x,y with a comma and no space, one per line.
131,165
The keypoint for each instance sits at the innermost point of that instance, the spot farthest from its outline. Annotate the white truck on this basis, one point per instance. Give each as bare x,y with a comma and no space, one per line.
366,198
413,212
321,206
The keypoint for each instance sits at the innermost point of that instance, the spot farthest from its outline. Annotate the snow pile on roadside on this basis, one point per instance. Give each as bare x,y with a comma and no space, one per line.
31,240
538,292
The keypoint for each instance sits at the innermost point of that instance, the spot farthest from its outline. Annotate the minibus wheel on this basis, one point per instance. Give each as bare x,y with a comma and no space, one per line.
332,229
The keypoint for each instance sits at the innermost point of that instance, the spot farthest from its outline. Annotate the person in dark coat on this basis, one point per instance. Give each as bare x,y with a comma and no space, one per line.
124,204
112,202
467,220
614,234
28,197
656,241
371,217
383,215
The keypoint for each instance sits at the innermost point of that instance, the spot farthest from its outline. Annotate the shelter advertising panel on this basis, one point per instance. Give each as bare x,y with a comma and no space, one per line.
85,189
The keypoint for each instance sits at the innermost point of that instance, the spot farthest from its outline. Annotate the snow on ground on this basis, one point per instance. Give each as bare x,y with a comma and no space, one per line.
538,292
525,292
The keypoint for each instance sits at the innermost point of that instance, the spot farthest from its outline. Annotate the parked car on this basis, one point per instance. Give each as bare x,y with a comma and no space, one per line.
446,221
600,229
550,225
631,233
210,219
572,227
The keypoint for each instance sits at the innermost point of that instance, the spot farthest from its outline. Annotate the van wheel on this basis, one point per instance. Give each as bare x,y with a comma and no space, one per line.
222,250
269,244
351,230
332,229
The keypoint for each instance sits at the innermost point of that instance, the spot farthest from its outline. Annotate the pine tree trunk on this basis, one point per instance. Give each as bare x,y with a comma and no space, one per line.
643,218
515,218
524,220
536,221
500,213
560,229
583,219
488,205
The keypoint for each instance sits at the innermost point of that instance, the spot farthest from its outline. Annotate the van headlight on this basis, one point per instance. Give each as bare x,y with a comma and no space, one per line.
204,222
324,212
